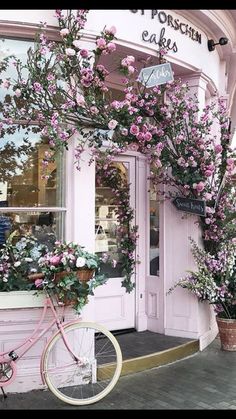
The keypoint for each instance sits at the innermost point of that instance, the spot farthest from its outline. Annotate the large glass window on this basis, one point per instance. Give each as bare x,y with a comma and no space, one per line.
28,203
154,233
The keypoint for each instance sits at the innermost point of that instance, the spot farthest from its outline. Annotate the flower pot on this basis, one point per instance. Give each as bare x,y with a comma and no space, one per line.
227,332
82,274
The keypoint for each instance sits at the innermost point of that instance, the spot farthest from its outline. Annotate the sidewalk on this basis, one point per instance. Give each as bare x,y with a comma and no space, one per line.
206,380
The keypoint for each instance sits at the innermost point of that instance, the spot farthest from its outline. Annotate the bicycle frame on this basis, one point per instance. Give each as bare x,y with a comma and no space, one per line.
11,356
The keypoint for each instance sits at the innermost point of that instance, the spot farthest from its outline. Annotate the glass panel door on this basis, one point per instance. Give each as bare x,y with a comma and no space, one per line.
107,233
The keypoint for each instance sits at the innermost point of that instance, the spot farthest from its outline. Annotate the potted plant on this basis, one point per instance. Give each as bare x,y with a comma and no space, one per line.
71,273
215,282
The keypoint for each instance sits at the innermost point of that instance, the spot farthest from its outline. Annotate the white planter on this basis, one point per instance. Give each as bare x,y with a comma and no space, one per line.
21,299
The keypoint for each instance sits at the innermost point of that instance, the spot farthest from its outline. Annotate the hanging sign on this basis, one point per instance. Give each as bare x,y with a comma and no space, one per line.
193,206
156,75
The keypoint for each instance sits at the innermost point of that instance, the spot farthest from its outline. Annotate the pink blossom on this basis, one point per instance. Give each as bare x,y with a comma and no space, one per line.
112,124
84,53
64,32
70,52
6,84
148,136
218,148
80,100
76,43
134,129
94,110
55,260
111,47
111,30
101,43
18,92
38,283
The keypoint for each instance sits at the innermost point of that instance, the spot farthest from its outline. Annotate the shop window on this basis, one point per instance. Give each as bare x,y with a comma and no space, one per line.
28,203
154,233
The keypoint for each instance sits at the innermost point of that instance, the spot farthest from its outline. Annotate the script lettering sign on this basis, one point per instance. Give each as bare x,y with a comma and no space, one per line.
193,206
156,75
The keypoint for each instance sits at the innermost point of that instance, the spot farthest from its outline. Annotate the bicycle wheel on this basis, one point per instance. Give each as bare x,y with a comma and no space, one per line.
95,374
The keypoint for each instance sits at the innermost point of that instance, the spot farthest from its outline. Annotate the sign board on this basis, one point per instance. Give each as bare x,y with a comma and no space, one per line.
193,206
156,75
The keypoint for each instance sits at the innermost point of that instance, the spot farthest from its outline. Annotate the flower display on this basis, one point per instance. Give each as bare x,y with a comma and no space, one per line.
188,149
215,278
56,270
18,260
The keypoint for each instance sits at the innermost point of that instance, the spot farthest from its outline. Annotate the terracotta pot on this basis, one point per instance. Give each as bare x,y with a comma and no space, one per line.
227,332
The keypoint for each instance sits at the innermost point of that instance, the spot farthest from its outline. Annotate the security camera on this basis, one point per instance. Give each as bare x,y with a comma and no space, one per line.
223,41
211,44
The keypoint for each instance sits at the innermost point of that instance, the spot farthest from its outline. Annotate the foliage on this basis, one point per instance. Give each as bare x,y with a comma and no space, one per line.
17,261
188,149
27,256
215,279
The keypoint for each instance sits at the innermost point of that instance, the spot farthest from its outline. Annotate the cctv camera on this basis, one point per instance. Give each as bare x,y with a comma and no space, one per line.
223,41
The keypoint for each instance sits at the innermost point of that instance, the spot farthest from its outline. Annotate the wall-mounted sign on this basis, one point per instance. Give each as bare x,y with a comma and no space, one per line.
168,20
160,40
193,206
156,75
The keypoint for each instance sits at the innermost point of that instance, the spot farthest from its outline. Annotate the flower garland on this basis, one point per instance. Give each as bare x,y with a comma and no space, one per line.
126,233
65,90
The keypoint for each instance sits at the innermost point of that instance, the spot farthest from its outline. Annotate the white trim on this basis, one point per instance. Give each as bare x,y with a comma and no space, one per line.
21,299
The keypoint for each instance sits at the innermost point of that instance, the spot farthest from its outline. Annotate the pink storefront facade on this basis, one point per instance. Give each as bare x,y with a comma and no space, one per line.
88,216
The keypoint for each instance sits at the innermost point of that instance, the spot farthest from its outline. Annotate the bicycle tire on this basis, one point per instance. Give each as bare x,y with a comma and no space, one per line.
71,382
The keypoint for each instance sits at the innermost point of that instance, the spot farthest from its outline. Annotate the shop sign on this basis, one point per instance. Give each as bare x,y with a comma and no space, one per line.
193,206
156,75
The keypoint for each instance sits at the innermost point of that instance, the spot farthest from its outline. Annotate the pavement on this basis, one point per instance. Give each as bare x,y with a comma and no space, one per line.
203,381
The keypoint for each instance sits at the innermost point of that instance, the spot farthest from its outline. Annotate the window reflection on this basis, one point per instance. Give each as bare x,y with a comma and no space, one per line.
45,226
13,47
106,234
154,233
21,183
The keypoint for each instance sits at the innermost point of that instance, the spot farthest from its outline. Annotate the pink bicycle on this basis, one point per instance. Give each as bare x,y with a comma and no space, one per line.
80,364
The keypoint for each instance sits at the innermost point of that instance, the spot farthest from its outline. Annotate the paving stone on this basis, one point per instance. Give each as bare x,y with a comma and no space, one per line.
205,381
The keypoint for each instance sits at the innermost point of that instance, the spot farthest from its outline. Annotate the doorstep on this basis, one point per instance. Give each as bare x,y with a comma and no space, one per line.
146,350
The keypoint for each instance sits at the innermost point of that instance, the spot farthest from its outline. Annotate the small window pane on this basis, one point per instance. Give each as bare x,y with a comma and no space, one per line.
47,227
154,233
21,183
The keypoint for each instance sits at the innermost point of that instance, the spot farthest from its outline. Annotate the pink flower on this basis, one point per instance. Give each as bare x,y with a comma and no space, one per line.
80,100
111,30
134,129
55,260
6,84
218,148
76,43
111,47
101,43
70,52
18,92
38,283
84,53
64,32
112,124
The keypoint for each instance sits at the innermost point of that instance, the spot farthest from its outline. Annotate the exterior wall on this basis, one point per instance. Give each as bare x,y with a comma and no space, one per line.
179,313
